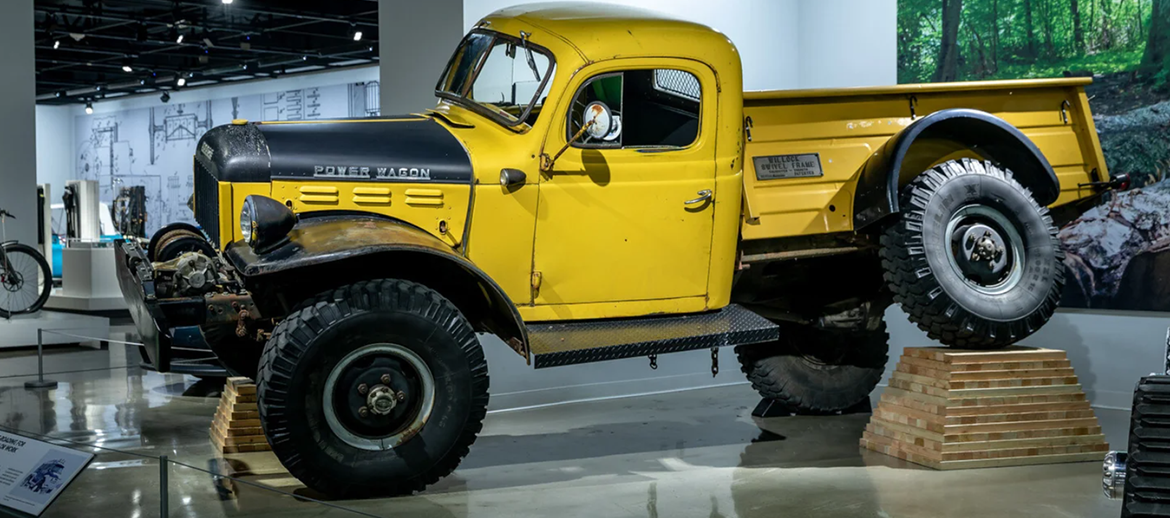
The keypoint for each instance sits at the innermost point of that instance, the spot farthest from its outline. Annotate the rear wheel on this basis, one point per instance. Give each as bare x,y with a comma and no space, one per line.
376,388
25,280
817,370
974,261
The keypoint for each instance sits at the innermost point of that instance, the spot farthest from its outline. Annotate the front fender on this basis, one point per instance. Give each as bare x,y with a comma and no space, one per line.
326,252
881,179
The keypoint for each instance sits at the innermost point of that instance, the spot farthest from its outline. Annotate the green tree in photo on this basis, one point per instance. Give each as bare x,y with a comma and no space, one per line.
964,40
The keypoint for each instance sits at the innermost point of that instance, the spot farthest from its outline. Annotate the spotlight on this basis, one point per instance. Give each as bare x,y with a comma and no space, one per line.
56,44
89,108
166,97
355,32
126,66
179,39
60,94
227,1
182,81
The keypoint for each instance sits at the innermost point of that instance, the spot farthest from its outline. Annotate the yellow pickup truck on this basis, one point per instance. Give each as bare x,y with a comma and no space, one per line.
595,184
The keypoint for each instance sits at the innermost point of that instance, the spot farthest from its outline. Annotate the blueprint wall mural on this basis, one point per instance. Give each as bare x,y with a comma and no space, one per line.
153,146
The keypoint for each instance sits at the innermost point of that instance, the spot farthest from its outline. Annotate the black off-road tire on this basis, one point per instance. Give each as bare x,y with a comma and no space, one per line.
934,295
307,344
1147,474
817,370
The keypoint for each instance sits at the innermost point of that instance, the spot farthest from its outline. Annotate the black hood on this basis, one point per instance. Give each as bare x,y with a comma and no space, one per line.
391,149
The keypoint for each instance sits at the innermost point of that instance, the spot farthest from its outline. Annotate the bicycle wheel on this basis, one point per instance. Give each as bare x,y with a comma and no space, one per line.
25,281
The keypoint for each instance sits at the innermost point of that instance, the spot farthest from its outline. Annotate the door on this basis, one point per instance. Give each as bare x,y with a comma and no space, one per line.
627,216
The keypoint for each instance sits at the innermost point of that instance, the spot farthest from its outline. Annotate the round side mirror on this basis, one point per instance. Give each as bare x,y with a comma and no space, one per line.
602,119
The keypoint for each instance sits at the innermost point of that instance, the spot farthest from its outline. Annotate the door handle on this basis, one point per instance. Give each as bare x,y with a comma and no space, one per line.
704,195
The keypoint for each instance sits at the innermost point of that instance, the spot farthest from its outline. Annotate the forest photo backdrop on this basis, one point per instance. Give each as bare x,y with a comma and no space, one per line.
1118,252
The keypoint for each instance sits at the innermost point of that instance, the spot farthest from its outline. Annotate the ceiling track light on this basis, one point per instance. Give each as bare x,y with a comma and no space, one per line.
56,44
182,81
227,2
89,108
355,32
126,66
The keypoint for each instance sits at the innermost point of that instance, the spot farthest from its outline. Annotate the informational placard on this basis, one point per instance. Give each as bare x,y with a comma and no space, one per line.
776,167
33,473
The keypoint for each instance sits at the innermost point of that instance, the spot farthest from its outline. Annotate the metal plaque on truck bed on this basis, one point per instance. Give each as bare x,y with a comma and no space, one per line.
776,167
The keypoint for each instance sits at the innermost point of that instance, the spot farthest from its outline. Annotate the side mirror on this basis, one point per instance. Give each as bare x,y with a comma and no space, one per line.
598,123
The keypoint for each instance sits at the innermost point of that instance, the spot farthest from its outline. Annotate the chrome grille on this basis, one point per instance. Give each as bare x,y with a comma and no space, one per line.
207,201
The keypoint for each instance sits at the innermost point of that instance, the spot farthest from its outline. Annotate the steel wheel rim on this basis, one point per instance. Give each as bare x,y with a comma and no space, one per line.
425,402
1005,232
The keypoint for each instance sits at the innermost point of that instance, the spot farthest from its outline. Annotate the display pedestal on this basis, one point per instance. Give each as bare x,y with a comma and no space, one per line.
236,426
956,409
89,281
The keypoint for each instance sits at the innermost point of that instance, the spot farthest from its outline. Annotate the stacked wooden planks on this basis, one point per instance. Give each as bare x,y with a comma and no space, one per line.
236,426
959,408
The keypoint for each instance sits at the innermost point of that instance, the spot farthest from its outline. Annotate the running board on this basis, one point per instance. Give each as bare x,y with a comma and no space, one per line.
557,344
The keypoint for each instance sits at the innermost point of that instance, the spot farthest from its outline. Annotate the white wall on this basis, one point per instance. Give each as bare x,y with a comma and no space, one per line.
784,44
848,43
55,154
415,40
226,90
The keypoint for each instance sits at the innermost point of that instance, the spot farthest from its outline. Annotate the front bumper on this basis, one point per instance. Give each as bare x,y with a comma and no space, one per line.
158,319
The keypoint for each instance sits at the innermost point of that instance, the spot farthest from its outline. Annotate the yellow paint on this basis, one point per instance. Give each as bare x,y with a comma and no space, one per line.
605,234
239,122
376,197
846,126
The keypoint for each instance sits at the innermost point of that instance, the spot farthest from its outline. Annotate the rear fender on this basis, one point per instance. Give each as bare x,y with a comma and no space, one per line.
936,136
326,252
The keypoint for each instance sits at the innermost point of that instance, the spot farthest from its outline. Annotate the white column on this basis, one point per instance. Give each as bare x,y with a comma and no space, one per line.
18,159
848,43
415,40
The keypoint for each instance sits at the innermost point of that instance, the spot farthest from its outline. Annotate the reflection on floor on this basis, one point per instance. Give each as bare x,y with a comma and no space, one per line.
694,453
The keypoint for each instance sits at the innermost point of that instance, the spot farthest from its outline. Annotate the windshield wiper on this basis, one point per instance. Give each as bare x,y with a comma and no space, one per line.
528,54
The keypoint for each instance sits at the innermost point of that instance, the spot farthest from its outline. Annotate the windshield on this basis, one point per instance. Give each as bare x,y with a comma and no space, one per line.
504,77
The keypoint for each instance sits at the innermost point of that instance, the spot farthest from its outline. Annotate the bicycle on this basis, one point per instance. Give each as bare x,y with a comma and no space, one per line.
24,275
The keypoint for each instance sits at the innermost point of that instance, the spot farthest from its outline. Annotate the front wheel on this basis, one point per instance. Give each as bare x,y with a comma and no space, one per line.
25,280
374,389
975,260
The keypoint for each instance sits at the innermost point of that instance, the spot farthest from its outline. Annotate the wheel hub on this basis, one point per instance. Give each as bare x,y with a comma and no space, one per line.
382,400
984,253
13,281
985,249
378,396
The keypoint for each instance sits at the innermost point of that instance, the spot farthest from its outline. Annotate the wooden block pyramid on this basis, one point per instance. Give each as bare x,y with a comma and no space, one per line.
236,426
958,408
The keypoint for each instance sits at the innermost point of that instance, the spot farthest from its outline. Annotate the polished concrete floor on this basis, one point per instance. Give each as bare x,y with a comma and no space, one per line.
691,453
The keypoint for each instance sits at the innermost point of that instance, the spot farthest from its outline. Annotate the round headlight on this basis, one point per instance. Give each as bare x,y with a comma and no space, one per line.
265,222
247,220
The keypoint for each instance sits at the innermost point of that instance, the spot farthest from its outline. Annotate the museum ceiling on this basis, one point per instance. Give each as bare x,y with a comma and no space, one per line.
89,50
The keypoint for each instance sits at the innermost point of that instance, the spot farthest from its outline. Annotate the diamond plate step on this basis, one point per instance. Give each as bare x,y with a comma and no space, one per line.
567,343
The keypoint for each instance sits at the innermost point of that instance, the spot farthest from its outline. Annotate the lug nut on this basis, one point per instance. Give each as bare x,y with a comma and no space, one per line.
385,379
401,396
363,411
363,389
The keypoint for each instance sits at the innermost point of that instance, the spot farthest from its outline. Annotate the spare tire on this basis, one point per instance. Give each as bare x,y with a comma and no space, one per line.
974,260
817,370
175,239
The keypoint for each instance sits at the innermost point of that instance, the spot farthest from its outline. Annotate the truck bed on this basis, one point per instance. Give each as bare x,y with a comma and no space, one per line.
846,126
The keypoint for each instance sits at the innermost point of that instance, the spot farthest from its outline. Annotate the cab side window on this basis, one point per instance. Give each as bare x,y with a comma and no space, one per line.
656,108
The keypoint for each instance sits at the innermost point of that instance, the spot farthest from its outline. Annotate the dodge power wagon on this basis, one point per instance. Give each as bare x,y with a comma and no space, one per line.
595,184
